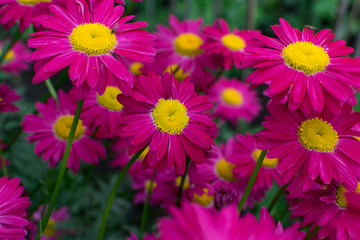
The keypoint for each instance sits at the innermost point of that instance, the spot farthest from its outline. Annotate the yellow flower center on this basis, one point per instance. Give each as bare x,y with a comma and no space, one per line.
179,73
268,162
50,229
31,2
108,99
188,44
170,116
204,199
135,68
10,55
147,185
93,39
306,57
186,182
62,127
1,99
340,195
225,170
316,134
143,154
233,42
232,97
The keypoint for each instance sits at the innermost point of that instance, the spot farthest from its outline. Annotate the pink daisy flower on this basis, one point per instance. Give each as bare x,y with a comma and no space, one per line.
234,100
195,222
16,59
228,48
51,130
323,207
351,217
315,145
168,117
7,96
306,69
86,41
13,209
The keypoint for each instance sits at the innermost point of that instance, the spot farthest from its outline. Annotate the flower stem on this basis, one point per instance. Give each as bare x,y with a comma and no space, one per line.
113,193
145,214
61,175
51,89
309,235
182,183
252,180
277,197
3,162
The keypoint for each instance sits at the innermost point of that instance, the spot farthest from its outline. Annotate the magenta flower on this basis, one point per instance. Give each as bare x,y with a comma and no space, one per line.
234,100
51,130
7,96
228,48
308,69
12,209
168,117
16,59
195,222
351,217
313,146
87,41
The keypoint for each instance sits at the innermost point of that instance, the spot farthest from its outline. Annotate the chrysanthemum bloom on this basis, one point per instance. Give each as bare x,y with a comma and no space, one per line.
324,207
168,117
51,232
308,69
244,156
315,145
234,100
101,113
16,59
7,96
86,41
195,222
51,131
12,209
228,47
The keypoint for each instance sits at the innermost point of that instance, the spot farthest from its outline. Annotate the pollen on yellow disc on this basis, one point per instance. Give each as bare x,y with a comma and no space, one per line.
31,2
203,199
50,228
232,96
108,99
170,116
306,57
147,185
186,182
225,170
62,127
316,134
179,73
93,39
135,68
233,42
10,55
188,44
340,195
267,162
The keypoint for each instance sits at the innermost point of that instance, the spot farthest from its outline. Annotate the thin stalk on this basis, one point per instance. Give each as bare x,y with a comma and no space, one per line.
113,193
277,197
252,180
182,183
309,235
61,175
3,162
145,214
51,89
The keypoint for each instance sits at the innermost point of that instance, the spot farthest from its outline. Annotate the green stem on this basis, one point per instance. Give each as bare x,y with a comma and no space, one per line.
182,183
51,89
63,168
252,180
3,162
145,214
277,197
309,235
113,193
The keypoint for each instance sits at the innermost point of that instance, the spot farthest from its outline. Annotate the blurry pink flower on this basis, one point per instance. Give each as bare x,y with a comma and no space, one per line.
16,59
7,96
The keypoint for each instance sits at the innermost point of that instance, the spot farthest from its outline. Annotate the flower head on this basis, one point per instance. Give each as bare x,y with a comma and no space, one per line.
306,69
7,96
51,130
87,40
16,59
